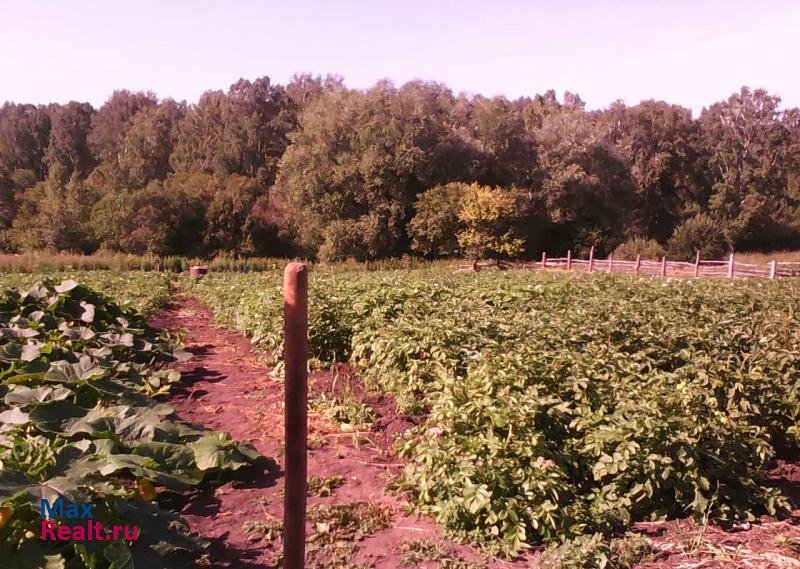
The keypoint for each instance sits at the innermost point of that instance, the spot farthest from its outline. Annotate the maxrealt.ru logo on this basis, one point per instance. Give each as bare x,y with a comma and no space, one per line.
81,526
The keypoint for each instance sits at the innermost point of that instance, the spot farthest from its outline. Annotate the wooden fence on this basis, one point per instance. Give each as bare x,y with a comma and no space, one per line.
700,268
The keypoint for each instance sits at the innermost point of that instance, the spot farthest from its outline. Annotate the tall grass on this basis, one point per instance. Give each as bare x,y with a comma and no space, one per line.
764,258
37,262
54,262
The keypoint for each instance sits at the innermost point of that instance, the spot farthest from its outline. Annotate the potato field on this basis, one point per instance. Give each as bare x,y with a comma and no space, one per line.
557,406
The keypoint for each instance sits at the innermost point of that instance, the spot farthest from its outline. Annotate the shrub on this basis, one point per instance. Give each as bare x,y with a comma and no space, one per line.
647,248
699,233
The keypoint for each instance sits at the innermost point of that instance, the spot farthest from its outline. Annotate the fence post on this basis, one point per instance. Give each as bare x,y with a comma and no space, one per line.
697,264
569,260
664,266
773,269
544,260
638,264
591,258
730,267
610,263
295,356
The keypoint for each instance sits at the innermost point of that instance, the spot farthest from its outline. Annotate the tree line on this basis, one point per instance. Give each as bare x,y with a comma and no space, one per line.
314,168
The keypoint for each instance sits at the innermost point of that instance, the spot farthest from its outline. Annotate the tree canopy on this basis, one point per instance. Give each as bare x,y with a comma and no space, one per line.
315,168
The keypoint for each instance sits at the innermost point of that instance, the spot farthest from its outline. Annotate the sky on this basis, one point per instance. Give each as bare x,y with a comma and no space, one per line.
692,53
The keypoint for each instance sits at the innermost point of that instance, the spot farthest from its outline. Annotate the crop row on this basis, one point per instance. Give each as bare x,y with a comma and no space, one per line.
144,292
80,421
557,406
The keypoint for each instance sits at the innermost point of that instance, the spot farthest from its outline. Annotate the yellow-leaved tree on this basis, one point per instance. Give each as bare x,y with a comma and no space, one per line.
492,221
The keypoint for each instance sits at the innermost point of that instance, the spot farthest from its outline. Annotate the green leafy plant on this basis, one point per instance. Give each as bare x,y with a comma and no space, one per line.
552,407
324,486
78,421
595,552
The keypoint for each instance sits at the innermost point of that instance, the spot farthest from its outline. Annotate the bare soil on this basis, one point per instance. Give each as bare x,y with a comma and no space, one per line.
227,387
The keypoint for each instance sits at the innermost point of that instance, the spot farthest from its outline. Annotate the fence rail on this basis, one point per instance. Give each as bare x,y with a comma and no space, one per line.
700,268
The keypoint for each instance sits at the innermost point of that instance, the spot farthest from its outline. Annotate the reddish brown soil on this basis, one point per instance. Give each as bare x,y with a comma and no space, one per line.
227,387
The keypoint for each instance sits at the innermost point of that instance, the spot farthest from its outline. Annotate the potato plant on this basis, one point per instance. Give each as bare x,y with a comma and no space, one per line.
561,405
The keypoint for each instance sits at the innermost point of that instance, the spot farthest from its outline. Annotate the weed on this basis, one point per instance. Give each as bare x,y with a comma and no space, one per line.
269,529
322,487
352,521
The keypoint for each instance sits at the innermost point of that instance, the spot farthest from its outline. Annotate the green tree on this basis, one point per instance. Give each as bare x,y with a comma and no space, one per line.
111,122
507,149
637,245
136,221
586,189
68,151
435,225
358,161
149,142
24,135
55,215
230,225
659,145
242,132
751,161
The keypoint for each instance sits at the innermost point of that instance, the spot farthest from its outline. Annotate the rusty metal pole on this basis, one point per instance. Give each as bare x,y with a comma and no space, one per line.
664,266
295,356
591,258
569,260
544,260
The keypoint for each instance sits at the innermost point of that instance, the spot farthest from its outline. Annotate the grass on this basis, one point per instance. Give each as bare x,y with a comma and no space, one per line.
765,258
44,261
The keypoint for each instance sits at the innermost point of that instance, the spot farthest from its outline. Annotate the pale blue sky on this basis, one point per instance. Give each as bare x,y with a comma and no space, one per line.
687,52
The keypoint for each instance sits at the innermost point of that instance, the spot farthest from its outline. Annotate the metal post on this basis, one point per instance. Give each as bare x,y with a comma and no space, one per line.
544,260
569,260
638,264
697,264
610,263
773,269
591,258
295,355
730,267
664,266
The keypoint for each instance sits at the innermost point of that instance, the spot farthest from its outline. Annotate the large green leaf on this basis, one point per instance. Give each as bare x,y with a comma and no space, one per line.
85,369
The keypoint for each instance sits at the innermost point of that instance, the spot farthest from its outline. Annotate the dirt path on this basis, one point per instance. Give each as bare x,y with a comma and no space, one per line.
361,523
226,387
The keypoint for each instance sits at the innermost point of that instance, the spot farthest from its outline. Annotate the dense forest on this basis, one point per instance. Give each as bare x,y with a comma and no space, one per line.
314,168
